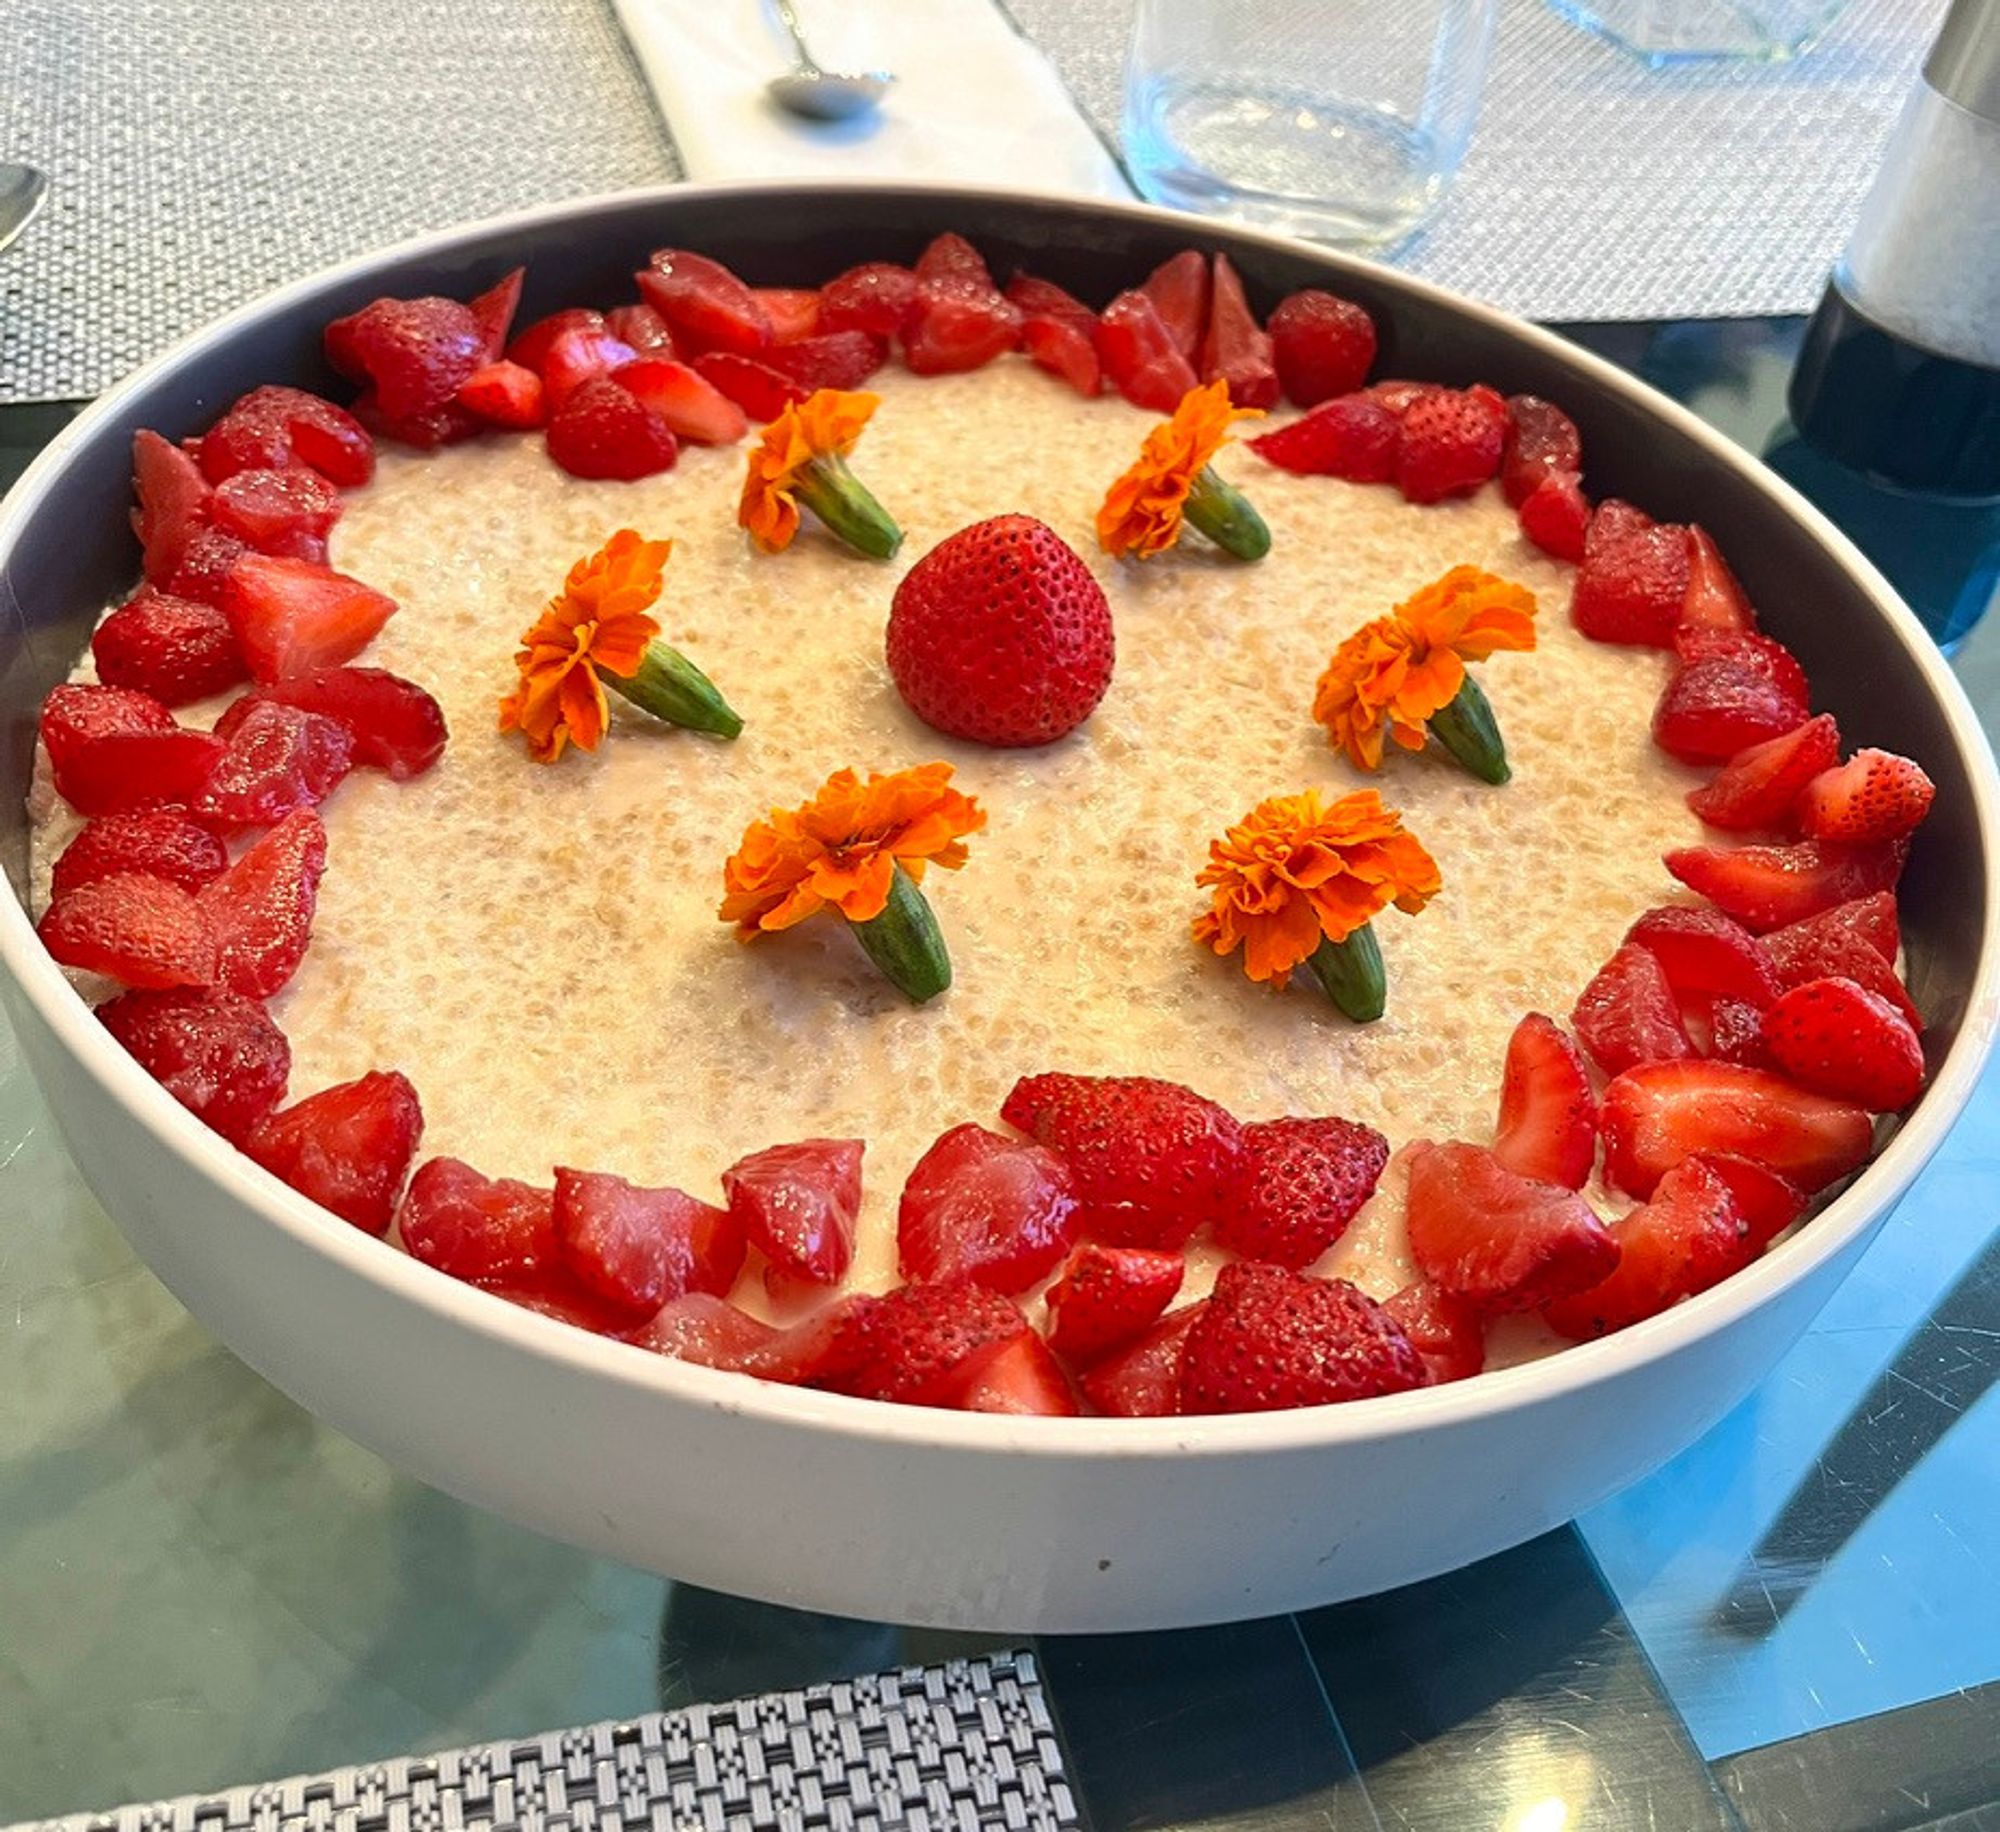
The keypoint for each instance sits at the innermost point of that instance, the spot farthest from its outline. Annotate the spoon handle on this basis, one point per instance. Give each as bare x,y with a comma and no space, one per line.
790,20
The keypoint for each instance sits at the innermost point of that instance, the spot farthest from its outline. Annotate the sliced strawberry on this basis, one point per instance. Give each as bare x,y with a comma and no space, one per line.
1350,437
137,929
704,302
1322,345
260,910
1139,355
1875,795
1627,1014
1542,442
347,1147
1107,1296
1500,1241
958,319
1151,1160
530,349
643,329
1633,579
792,310
577,357
413,353
505,394
689,406
1020,1377
1144,1380
1706,955
1766,887
166,843
76,714
1058,332
449,423
1179,290
707,1330
1447,1333
274,428
1656,1115
276,759
1301,1182
1687,1238
1233,348
1269,1339
173,502
493,313
286,512
1845,943
875,297
1397,395
1731,693
916,1344
1736,1033
556,1292
995,1210
1555,515
220,1056
486,1230
758,389
396,726
128,772
820,1350
797,1205
1766,1203
1713,600
292,617
206,565
175,649
1548,1116
835,359
638,1248
1834,1037
1451,443
602,432
1758,787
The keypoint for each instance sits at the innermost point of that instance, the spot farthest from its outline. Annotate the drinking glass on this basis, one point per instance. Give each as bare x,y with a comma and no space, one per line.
1663,32
1342,120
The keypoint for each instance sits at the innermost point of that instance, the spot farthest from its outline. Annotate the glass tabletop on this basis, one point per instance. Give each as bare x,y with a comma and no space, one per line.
1795,1625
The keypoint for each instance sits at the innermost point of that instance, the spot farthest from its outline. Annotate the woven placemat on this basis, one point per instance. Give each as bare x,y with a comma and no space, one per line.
964,1747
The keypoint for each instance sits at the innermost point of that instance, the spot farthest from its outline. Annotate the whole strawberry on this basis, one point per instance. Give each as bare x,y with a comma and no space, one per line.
1000,634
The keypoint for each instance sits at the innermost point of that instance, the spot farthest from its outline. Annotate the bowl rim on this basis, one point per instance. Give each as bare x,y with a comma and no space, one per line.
444,1300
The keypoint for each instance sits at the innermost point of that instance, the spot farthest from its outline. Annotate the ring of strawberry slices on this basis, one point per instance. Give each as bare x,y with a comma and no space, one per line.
1726,1063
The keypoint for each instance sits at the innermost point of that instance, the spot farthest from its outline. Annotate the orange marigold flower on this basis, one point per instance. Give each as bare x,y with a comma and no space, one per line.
1296,870
598,620
842,848
824,425
1141,513
1392,674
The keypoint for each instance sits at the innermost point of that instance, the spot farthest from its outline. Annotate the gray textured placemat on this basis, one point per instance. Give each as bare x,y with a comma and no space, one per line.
964,1747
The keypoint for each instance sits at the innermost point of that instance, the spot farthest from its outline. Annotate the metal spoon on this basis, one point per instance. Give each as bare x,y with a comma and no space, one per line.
22,190
822,95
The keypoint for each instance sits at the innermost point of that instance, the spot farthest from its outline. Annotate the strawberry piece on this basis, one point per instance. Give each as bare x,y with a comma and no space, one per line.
1713,600
642,328
1233,348
205,567
558,1293
1451,443
1058,332
912,1346
163,844
1656,1115
137,929
709,1331
1766,1203
987,1208
601,431
638,1248
1269,1339
347,1147
577,357
1542,442
1179,290
485,1230
1845,943
1447,1333
1548,1116
689,407
129,772
1144,1381
260,910
1139,354
276,759
505,394
1108,1296
1301,1182
704,303
293,617
1350,437
1555,515
797,1205
1397,395
1687,1238
287,512
1734,692
1736,1033
220,1056
76,714
958,319
1001,635
530,349
1706,955
835,359
1758,787
792,310
396,726
1150,1159
1836,1038
1019,1377
875,297
1500,1241
1766,887
1627,1014
276,428
756,387
1323,345
1875,795
413,353
493,313
175,649
1633,579
173,502
449,423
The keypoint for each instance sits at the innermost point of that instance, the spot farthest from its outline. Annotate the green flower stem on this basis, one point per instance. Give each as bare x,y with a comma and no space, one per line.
671,687
833,493
1350,972
1466,728
1223,513
905,944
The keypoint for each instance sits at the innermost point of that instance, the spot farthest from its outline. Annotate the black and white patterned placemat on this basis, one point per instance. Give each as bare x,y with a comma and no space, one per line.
964,1747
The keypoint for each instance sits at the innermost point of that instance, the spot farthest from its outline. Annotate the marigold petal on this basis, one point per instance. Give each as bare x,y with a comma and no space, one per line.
1141,513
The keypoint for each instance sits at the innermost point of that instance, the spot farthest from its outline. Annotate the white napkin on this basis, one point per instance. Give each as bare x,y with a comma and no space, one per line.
973,100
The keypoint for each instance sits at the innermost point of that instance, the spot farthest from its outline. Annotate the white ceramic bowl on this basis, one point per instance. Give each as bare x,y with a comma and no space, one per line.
898,1513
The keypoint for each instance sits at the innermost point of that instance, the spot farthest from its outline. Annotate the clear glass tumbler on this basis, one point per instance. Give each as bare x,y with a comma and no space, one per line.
1342,120
1664,32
